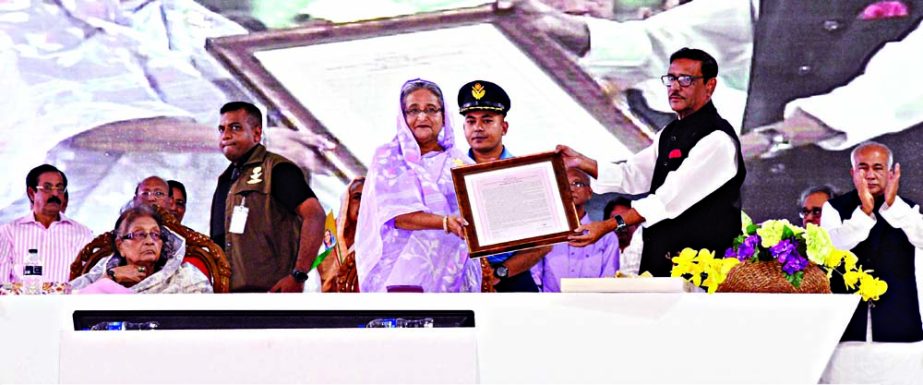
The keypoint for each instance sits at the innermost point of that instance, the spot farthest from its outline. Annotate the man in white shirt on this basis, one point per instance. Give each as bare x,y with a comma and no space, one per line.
884,230
693,172
597,260
57,238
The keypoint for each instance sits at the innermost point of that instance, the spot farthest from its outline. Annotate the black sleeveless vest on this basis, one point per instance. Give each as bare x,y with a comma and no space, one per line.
711,223
887,251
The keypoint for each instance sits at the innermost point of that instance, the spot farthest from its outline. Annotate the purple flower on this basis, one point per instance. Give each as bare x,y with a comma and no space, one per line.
795,263
748,247
730,253
783,250
788,256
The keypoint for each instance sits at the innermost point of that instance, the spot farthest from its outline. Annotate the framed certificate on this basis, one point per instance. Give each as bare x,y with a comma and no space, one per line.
341,82
516,203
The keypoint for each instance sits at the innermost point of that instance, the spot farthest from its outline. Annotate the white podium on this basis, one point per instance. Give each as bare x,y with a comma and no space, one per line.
521,338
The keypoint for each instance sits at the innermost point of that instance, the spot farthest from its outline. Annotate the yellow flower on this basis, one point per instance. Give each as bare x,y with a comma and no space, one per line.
702,262
818,243
834,259
871,288
726,265
458,162
850,278
771,232
687,262
685,256
717,272
683,263
706,256
851,260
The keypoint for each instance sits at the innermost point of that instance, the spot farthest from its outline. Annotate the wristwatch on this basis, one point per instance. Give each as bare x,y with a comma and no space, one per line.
621,225
300,276
501,271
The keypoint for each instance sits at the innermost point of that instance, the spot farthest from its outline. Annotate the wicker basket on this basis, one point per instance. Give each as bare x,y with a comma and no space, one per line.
767,277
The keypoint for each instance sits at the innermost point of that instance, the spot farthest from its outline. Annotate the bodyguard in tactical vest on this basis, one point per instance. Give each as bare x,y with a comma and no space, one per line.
263,213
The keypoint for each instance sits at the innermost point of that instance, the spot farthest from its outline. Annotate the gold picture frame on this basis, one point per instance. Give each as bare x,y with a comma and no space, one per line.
516,203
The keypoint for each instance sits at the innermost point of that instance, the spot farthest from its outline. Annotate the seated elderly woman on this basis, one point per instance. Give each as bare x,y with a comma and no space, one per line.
338,270
148,258
409,231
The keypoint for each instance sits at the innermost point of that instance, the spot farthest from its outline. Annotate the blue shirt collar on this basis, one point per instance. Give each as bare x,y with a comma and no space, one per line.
503,155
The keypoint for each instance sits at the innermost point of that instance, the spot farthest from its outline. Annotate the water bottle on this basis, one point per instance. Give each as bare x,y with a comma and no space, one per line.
125,325
426,322
32,278
382,323
400,323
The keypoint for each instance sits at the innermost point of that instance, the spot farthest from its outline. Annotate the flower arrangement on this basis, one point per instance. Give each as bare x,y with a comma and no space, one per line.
793,247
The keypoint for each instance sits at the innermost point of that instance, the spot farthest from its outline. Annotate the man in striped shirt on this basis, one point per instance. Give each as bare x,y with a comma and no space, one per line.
57,238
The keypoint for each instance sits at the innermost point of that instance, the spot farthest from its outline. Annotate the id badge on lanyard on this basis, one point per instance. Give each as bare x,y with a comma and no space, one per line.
239,217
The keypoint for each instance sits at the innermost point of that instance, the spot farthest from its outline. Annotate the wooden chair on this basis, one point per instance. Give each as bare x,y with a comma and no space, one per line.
199,248
487,277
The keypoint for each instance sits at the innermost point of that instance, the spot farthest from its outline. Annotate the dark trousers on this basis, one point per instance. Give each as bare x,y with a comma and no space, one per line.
520,283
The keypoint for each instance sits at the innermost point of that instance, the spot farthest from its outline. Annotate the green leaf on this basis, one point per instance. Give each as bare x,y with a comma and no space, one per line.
798,277
752,229
787,232
739,240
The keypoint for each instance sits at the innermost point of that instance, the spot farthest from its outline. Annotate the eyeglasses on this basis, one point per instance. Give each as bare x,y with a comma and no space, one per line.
51,189
812,210
155,194
578,184
684,80
141,234
429,111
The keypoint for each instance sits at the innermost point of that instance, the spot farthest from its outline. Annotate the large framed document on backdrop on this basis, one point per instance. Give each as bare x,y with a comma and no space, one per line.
515,203
341,82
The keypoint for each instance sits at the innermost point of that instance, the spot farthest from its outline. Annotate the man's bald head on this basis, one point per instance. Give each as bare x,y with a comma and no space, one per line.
154,190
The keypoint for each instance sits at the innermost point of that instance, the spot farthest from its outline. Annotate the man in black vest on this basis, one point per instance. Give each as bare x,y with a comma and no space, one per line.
693,172
883,230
